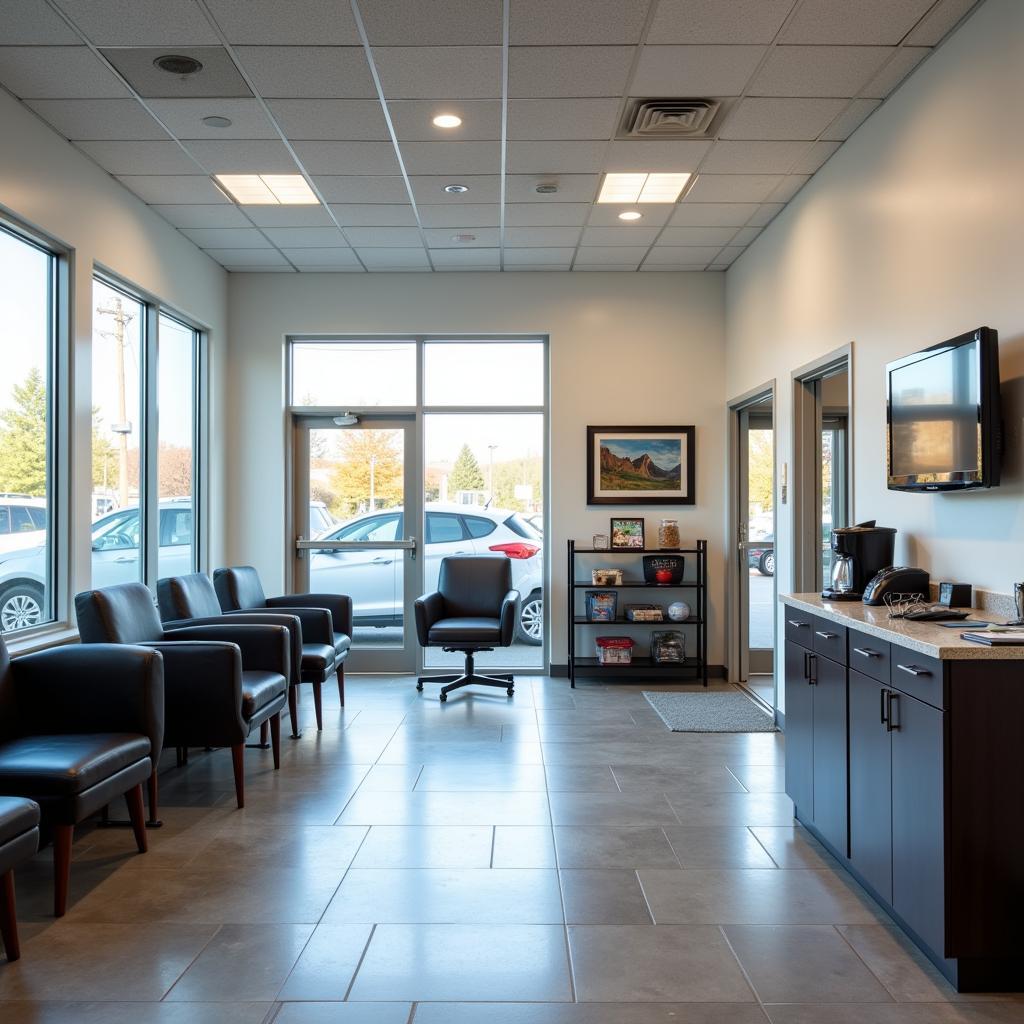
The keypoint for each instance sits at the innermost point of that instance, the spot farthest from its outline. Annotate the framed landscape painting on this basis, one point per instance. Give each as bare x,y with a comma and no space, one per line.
640,465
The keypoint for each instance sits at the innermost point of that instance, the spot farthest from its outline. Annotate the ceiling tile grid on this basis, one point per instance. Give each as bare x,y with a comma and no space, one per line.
345,93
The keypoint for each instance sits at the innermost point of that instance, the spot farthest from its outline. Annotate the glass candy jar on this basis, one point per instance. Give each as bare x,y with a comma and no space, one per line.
668,535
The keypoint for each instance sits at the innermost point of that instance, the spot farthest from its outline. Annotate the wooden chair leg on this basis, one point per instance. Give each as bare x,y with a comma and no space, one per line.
154,797
238,763
275,739
318,706
8,917
264,734
293,710
341,684
137,813
62,836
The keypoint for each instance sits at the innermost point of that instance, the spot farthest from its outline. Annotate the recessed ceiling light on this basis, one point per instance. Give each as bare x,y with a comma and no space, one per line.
216,121
447,121
268,189
463,238
178,64
630,215
456,190
642,188
546,188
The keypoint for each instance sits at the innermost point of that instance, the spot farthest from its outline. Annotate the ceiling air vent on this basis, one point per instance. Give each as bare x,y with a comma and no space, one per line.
668,119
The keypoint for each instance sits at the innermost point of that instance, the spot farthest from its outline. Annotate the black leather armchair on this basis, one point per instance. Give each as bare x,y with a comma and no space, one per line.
221,681
474,608
239,589
192,601
19,840
79,727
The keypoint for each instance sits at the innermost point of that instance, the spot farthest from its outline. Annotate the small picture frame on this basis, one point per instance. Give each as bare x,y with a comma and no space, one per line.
627,533
600,541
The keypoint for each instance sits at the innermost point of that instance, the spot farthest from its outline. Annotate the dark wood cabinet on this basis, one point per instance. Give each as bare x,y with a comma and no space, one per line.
799,730
829,756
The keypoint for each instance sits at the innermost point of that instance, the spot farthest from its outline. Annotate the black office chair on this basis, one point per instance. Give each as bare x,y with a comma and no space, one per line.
474,609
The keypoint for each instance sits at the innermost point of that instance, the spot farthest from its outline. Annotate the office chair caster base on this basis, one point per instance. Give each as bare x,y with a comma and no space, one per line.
511,691
419,685
443,697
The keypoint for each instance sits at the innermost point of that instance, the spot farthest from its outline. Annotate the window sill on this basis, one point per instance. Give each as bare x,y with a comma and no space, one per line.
57,637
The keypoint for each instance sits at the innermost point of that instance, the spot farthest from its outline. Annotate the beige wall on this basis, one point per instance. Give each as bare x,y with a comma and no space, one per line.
624,348
911,234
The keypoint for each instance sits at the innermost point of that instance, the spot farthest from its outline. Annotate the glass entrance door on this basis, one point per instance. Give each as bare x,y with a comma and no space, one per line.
357,508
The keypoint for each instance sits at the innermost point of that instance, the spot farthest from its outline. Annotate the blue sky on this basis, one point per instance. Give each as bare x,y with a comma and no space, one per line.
663,452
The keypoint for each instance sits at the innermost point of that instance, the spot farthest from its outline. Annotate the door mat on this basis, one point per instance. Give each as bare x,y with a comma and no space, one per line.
710,712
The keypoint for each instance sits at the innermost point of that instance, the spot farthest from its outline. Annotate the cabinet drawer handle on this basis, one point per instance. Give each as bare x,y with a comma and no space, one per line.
797,624
812,661
882,716
891,725
866,652
914,670
825,635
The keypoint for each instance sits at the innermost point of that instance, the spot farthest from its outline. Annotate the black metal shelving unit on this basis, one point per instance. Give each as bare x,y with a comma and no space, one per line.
689,670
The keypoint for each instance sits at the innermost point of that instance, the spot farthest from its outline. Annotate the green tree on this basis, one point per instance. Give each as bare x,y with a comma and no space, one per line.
466,474
350,481
23,438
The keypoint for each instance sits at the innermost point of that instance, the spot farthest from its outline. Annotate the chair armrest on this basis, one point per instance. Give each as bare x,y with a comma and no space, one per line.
427,609
263,647
339,605
317,623
93,688
509,615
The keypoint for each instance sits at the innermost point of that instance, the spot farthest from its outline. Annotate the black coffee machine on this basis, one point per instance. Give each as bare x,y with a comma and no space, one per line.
858,552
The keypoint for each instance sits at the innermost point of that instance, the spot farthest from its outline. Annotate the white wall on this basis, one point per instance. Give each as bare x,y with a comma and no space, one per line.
625,348
912,233
50,186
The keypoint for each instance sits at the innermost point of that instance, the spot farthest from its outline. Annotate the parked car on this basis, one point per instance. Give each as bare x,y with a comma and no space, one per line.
320,519
22,521
375,581
762,559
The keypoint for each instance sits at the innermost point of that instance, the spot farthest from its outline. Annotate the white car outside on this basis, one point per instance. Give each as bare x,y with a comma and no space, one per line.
22,521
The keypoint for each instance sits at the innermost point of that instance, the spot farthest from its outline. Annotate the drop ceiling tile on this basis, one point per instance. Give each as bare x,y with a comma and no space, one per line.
294,23
618,268
432,22
481,120
140,157
374,214
745,236
763,157
716,267
854,22
322,257
732,188
341,188
245,258
555,157
483,188
404,259
568,70
623,234
549,22
439,72
903,62
351,120
225,215
33,23
162,189
469,258
939,21
348,157
98,119
526,215
542,255
850,119
610,254
219,76
463,215
815,155
535,268
696,236
577,118
653,214
306,238
642,155
711,21
712,215
308,71
818,70
545,237
694,70
788,187
54,72
140,22
243,156
227,238
688,255
572,188
765,213
452,157
728,254
768,118
656,268
289,216
185,118
383,236
443,238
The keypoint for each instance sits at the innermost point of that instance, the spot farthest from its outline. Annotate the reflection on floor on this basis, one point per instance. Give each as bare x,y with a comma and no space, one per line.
560,853
763,687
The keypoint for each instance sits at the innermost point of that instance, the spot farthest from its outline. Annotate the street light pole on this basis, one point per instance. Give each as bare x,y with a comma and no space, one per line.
373,467
490,473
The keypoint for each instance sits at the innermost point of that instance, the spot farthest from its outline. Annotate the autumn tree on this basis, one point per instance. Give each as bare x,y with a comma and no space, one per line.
350,482
465,475
761,469
175,471
23,438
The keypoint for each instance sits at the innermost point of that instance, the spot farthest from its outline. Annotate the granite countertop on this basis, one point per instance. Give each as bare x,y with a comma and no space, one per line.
923,637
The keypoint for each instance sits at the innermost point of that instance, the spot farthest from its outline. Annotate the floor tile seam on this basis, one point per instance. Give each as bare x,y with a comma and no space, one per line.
359,964
750,829
494,840
191,963
885,988
675,853
337,889
743,970
376,761
737,778
273,1013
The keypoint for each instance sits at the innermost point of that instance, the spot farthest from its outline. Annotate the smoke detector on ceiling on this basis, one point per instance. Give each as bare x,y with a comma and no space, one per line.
178,64
668,119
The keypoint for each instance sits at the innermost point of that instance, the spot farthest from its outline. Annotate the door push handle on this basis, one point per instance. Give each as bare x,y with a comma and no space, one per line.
914,670
825,635
866,652
412,550
890,724
797,624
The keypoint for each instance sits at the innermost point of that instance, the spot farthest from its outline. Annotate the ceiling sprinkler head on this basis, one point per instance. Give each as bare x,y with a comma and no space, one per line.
456,190
463,238
178,64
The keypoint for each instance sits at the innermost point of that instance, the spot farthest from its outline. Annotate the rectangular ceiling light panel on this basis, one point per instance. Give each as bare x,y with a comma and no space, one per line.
268,189
642,188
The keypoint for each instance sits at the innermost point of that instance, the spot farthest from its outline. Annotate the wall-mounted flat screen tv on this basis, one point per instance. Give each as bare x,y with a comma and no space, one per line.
944,427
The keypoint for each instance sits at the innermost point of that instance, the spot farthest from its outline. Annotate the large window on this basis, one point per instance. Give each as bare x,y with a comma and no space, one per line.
28,275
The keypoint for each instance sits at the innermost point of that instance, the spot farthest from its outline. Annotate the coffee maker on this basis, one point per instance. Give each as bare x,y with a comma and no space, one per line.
858,552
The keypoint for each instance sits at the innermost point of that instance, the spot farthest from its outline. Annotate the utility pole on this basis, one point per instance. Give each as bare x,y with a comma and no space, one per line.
122,427
490,473
373,468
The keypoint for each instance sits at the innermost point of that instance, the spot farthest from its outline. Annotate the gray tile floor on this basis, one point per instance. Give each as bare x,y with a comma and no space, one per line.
557,858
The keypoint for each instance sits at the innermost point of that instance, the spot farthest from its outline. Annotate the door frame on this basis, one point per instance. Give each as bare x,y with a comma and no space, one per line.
734,460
